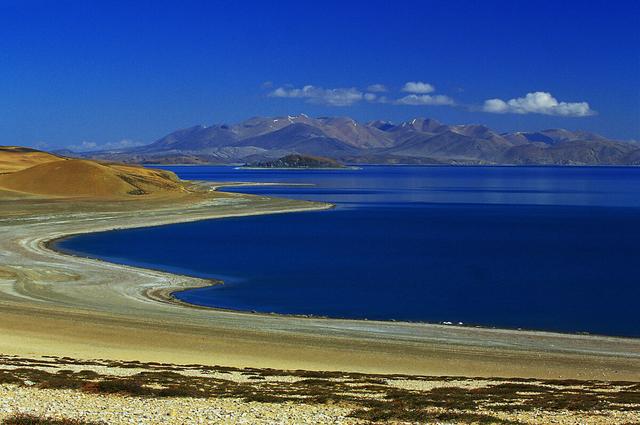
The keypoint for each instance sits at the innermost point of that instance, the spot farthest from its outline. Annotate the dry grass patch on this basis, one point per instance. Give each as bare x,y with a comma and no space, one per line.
38,420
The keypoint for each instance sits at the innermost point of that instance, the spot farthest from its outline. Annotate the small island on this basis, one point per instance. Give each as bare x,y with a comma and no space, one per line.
299,161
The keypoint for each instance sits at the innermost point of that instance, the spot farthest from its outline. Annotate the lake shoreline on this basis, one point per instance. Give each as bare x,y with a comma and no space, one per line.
100,309
169,295
438,270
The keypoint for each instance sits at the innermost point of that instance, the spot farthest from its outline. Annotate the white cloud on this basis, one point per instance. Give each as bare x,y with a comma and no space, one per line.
425,99
87,146
313,94
538,103
377,88
496,106
418,87
352,95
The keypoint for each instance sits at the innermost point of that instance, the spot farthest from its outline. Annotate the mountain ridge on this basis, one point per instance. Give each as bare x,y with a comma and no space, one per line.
415,141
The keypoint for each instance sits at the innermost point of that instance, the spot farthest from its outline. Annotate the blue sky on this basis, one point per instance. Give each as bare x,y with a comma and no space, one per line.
100,73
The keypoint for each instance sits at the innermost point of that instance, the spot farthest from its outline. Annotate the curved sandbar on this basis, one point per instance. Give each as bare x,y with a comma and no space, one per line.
56,304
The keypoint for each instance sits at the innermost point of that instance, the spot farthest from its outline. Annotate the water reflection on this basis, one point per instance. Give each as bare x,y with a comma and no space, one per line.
594,186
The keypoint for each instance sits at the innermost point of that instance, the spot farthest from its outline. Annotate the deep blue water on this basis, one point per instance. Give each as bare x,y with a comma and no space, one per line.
539,248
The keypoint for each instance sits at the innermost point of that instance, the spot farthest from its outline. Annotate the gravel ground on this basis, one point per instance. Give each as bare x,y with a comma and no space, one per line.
117,410
31,396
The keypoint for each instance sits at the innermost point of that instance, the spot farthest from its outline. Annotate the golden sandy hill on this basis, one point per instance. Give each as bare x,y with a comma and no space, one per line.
91,179
16,158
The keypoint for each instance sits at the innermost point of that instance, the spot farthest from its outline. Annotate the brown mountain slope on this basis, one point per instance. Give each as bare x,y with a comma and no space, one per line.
15,158
573,152
90,179
420,140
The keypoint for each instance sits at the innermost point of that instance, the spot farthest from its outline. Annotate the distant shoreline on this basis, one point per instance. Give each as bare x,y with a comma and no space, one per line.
360,166
345,168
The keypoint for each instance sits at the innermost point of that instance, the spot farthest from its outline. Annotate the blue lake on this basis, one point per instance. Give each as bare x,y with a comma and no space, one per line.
529,247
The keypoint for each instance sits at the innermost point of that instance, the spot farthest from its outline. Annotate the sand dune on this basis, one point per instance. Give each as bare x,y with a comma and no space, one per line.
83,178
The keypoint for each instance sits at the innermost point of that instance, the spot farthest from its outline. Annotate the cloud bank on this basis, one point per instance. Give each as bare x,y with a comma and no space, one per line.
420,93
538,103
313,94
349,96
377,88
425,99
418,87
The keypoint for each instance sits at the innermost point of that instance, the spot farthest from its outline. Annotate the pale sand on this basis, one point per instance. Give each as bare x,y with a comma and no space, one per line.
55,304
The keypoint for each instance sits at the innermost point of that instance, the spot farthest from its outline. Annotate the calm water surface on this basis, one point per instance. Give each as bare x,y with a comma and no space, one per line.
540,247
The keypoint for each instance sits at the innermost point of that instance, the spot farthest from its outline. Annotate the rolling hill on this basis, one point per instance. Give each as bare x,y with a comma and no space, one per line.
61,177
16,158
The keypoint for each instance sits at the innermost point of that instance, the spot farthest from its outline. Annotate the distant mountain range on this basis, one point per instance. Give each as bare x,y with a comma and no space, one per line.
418,141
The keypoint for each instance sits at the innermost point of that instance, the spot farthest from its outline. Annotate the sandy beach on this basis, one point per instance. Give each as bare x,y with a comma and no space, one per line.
56,304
